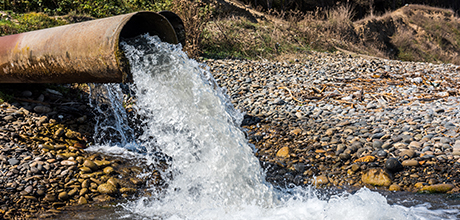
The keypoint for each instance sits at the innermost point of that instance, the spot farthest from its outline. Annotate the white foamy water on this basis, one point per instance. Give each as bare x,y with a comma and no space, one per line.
215,175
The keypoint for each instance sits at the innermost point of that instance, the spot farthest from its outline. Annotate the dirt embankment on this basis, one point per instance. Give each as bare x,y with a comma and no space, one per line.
414,33
411,33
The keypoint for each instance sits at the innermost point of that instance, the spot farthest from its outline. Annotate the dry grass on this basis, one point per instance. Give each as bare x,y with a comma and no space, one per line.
195,15
432,35
238,37
339,19
296,33
412,33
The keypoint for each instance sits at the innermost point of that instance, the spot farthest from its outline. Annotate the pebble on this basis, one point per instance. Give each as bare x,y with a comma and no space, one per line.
107,188
42,109
108,170
376,177
27,93
394,187
82,201
438,188
68,162
408,163
393,165
13,161
90,164
320,180
407,153
113,182
128,191
283,152
63,196
8,118
377,144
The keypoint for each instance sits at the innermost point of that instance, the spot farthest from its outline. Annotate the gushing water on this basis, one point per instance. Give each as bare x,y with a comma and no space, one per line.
213,173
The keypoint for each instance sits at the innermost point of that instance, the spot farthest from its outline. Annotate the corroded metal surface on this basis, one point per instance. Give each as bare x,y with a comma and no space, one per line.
77,53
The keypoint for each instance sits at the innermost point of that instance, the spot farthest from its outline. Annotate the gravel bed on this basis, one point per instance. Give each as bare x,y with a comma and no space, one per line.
340,120
43,165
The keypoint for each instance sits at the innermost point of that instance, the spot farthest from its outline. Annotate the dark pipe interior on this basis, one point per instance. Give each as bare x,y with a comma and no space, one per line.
152,23
177,24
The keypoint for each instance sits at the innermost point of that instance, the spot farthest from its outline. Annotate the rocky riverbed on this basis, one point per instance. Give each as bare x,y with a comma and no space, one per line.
43,165
338,120
331,120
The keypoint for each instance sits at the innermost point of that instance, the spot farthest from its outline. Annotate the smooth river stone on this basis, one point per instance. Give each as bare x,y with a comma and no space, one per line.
283,152
438,188
90,164
399,145
415,144
107,188
68,162
408,163
409,153
393,165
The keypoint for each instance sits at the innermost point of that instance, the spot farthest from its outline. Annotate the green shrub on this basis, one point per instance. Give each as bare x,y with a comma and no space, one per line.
17,23
95,8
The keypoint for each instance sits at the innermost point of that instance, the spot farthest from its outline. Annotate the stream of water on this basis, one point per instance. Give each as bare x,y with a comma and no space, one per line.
213,173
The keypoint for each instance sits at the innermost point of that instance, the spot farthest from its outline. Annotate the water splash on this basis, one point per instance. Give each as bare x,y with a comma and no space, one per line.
185,115
188,117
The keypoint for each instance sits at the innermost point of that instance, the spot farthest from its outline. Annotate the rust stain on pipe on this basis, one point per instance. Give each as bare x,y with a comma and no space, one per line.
82,52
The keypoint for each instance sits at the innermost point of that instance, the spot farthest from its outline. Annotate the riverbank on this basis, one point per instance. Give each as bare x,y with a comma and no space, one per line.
345,121
324,119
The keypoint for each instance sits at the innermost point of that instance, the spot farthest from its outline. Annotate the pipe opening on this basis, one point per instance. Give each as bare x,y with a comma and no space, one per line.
142,23
152,23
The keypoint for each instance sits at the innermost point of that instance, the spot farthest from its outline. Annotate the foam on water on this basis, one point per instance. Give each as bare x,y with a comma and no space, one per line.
214,174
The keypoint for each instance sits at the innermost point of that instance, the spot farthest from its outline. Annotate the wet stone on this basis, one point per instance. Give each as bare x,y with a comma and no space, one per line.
283,152
26,93
107,189
63,196
376,177
393,165
82,201
438,188
394,187
50,198
103,198
320,180
377,135
108,170
90,164
28,189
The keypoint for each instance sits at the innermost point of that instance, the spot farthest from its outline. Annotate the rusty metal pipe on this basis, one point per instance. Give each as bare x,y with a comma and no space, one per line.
82,52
